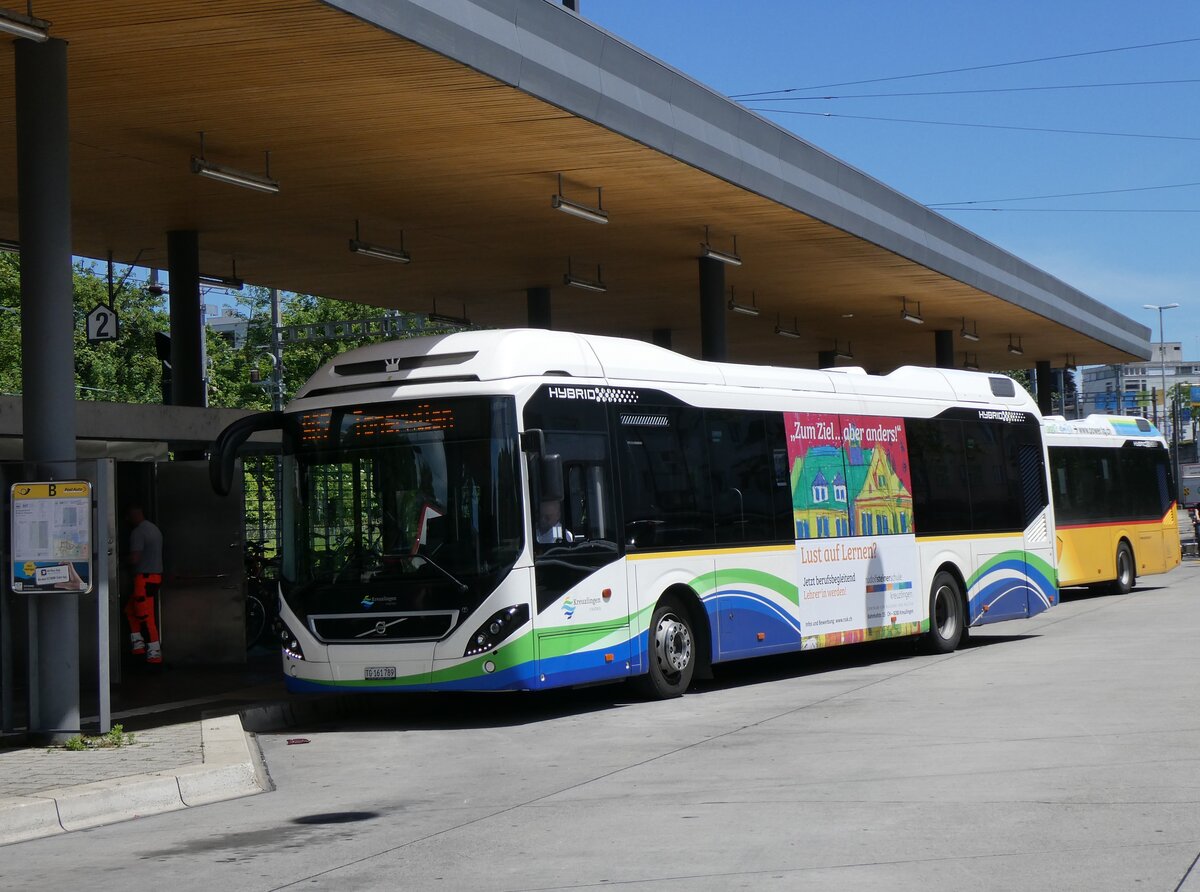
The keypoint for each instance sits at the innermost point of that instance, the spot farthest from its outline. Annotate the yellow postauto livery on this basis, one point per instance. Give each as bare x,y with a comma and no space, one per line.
1113,500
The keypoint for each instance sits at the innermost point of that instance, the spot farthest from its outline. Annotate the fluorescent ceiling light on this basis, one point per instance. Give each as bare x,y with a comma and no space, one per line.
595,214
842,354
575,281
232,282
257,182
909,316
24,26
792,332
969,363
1015,349
379,252
10,245
969,335
447,319
707,250
585,284
750,309
713,254
582,211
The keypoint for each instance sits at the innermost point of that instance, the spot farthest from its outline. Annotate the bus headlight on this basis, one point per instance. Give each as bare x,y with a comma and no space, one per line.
290,644
498,626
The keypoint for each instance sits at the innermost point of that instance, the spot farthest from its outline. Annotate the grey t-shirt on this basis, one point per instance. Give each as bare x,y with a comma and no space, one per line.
146,539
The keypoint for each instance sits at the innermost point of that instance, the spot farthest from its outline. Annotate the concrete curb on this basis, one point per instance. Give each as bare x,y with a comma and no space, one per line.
290,713
232,768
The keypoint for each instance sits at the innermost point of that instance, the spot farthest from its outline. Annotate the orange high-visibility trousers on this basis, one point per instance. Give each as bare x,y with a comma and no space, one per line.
139,610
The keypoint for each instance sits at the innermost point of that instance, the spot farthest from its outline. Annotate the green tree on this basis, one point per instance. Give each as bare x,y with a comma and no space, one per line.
125,370
230,368
128,369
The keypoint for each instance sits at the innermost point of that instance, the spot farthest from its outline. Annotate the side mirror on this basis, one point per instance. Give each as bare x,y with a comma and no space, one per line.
550,474
549,467
223,452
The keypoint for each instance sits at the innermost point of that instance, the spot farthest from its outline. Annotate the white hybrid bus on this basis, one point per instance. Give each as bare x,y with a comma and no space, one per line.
530,509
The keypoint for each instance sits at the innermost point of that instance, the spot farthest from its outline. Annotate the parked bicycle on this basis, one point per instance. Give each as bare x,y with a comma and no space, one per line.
261,592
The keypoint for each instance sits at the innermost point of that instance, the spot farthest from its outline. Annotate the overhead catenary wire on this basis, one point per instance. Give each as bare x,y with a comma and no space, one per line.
1111,133
899,77
1033,89
946,204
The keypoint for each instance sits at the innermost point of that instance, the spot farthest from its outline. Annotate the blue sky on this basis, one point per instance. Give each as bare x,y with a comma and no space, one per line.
1126,249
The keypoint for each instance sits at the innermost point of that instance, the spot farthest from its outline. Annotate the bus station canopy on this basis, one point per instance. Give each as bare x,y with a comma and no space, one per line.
443,128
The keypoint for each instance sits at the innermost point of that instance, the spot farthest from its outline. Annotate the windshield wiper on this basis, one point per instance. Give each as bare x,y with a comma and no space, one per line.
462,586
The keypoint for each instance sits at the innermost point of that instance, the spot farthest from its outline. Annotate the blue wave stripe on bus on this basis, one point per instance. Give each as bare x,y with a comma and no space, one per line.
514,678
1026,592
582,667
751,602
752,613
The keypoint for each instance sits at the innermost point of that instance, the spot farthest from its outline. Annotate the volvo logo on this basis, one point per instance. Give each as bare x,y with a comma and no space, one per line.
380,628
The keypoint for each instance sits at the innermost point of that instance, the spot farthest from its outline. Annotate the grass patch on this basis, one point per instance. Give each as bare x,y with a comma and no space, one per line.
115,737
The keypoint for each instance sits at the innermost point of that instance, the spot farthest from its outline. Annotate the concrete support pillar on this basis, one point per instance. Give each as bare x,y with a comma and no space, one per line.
537,301
187,351
826,359
713,340
48,356
1045,386
662,337
943,348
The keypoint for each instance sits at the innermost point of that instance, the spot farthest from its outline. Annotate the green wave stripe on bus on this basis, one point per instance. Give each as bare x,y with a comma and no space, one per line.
512,654
1035,562
708,582
515,653
563,640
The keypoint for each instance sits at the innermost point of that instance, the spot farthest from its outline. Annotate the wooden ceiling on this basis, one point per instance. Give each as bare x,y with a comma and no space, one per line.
364,126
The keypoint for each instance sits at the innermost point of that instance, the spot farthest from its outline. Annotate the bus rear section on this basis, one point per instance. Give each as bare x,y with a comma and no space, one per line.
1113,500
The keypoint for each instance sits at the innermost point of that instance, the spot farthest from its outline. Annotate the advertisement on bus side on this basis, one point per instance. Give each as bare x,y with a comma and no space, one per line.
852,507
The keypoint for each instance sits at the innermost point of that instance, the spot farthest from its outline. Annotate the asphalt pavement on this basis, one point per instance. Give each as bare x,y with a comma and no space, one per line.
1060,752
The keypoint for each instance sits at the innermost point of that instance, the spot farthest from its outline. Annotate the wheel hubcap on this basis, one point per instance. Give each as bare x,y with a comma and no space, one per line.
945,612
673,644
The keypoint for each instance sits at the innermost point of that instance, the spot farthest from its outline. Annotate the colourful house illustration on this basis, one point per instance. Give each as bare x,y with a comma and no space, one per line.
848,492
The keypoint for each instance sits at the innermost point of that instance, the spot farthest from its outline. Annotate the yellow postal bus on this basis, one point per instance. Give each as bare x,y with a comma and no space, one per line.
1113,500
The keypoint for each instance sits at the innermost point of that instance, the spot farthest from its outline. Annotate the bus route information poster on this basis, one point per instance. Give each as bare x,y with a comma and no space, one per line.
853,510
52,537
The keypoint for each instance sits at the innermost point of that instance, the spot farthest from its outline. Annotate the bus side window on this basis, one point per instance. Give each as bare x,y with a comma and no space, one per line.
743,477
939,476
665,477
587,510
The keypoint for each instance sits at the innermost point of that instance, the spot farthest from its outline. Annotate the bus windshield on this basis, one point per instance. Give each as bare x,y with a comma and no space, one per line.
402,506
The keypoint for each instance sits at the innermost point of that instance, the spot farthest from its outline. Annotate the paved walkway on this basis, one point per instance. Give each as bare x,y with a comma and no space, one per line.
188,748
29,770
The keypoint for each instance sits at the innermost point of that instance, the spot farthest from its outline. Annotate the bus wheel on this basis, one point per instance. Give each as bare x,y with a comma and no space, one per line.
1126,576
672,652
947,616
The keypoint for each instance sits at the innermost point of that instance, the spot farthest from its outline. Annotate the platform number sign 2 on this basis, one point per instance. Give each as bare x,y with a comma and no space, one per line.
102,324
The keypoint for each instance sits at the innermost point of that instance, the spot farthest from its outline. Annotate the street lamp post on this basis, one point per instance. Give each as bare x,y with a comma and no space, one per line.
1162,367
